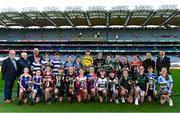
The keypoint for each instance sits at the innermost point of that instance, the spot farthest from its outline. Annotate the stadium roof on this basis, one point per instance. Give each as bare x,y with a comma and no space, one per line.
143,15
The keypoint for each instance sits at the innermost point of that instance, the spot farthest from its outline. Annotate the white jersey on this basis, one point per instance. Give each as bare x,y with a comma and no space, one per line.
102,83
82,81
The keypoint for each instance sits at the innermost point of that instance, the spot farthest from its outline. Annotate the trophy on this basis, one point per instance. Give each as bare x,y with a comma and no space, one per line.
164,88
47,81
58,80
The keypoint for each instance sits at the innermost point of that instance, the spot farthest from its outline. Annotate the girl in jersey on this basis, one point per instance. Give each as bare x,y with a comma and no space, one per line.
92,78
152,79
36,91
102,86
24,83
69,80
126,88
166,84
59,85
142,86
113,87
48,80
81,86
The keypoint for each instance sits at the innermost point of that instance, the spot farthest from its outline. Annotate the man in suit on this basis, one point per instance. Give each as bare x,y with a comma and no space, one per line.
9,75
162,61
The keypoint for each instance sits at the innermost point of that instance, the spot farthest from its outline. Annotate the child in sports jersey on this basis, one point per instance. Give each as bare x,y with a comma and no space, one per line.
24,86
92,78
59,85
135,64
77,65
166,84
101,86
152,79
87,60
48,79
45,61
113,87
69,80
109,65
68,64
36,91
81,86
56,63
36,66
126,87
142,86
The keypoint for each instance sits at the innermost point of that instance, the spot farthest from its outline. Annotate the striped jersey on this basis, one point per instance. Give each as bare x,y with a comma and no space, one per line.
56,64
35,66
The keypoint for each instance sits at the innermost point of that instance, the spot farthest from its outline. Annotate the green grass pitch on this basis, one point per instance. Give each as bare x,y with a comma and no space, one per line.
96,107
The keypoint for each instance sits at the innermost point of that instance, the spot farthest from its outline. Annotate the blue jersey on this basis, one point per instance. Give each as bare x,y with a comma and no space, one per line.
24,80
77,67
152,80
168,83
152,75
37,80
67,65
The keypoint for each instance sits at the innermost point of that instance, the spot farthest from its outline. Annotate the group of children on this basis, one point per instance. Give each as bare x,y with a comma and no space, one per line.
76,82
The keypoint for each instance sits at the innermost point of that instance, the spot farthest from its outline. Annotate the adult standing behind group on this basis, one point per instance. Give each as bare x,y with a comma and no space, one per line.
148,62
35,55
162,61
10,71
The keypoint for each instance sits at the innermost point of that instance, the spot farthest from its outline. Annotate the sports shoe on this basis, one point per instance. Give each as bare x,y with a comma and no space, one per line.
170,102
117,101
122,99
136,101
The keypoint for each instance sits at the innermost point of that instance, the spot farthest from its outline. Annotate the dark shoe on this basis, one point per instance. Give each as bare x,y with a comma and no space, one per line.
19,102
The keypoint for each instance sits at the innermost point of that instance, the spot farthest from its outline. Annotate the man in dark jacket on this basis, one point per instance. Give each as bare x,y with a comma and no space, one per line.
35,55
148,62
162,61
24,62
9,75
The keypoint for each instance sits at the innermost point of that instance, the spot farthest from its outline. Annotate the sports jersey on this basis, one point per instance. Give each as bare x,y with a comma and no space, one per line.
87,61
99,63
152,80
48,78
56,64
60,82
77,67
45,62
125,83
112,86
35,66
67,64
168,83
81,82
107,66
91,80
37,80
69,80
126,65
24,79
142,81
102,83
134,69
118,66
